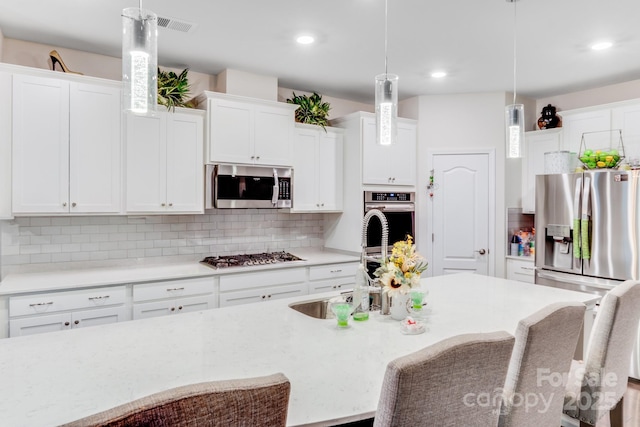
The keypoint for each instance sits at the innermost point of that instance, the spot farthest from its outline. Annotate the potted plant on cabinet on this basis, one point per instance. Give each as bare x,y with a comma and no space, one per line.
312,110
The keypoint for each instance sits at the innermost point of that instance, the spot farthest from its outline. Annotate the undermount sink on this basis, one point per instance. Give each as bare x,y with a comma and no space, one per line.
318,309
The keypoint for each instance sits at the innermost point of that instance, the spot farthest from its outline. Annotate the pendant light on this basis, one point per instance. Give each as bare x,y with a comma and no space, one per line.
514,113
386,98
139,60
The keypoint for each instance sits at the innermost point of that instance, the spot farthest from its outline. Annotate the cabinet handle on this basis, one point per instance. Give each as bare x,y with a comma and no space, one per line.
257,157
173,309
73,205
264,296
336,271
162,204
64,204
170,204
76,322
253,157
100,297
41,303
175,289
527,268
268,296
180,307
66,323
322,204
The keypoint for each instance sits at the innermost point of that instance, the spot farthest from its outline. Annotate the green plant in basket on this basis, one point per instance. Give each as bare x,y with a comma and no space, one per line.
312,110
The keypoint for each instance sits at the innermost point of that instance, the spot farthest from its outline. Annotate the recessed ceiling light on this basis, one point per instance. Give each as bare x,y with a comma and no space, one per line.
438,74
305,39
601,45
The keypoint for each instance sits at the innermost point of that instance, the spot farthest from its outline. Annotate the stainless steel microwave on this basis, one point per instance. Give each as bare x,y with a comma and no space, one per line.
240,186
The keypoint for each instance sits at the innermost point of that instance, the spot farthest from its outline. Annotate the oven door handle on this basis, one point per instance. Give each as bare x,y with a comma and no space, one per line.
400,207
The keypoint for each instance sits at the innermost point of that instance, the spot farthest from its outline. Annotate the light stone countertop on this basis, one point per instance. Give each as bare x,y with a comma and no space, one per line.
336,375
93,277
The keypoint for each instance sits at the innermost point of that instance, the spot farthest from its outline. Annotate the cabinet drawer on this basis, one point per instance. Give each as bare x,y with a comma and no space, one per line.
258,295
522,271
339,284
260,279
69,300
173,289
333,270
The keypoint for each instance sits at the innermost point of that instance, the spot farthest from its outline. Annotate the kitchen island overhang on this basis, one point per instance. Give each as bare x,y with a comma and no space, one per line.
335,374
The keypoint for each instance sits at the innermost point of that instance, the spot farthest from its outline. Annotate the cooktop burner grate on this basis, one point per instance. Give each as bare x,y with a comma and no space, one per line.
249,259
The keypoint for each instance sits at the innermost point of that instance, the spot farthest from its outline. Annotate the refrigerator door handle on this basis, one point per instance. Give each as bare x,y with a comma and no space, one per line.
576,223
585,243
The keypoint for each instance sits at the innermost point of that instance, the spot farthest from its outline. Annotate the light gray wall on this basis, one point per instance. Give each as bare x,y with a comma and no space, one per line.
48,243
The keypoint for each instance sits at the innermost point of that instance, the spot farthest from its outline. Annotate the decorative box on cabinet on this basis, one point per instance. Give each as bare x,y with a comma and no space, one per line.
248,131
332,277
56,311
66,146
173,297
317,178
521,270
536,144
243,288
165,168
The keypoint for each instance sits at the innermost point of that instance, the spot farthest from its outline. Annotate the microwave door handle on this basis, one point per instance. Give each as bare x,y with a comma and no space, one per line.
275,194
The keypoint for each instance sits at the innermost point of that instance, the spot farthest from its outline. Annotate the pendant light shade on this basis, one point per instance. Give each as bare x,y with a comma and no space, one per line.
139,60
386,108
514,115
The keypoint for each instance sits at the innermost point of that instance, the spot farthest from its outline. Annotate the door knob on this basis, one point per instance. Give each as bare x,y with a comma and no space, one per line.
481,251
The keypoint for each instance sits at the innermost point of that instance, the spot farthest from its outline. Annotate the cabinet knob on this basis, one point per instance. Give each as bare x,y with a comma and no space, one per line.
64,204
173,309
257,157
180,307
73,205
76,322
170,204
162,204
253,157
268,296
66,323
264,296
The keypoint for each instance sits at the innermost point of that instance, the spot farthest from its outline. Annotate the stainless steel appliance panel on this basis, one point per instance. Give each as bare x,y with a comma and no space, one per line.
556,211
612,209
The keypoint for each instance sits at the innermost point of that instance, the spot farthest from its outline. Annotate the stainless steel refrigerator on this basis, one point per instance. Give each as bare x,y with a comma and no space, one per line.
588,232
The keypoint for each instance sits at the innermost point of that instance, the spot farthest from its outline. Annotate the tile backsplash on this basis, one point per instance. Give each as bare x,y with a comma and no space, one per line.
48,243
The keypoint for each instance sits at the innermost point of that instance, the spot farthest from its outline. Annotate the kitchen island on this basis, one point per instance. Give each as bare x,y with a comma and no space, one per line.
336,374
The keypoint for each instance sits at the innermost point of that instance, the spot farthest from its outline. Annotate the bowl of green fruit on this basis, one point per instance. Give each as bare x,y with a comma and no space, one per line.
601,159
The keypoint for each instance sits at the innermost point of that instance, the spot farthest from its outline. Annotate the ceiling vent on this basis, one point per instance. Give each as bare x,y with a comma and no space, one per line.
175,24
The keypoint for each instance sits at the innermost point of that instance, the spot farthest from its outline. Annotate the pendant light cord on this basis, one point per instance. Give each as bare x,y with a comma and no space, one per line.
386,8
515,48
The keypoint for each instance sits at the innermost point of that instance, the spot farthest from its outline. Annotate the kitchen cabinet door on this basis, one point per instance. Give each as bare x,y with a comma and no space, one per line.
146,147
94,149
273,135
40,147
536,144
165,169
627,118
185,164
39,324
389,165
5,145
230,131
305,173
574,124
102,316
330,171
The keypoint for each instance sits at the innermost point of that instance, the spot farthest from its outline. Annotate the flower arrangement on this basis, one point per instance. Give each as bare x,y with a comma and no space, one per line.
402,270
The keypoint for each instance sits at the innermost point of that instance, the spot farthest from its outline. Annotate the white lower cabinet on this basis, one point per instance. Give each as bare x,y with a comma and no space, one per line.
173,297
56,311
243,288
332,277
521,270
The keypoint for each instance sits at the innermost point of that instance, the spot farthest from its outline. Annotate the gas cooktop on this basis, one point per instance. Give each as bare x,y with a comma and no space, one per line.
248,259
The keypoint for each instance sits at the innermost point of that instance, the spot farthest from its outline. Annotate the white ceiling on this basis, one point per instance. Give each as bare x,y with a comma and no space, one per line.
471,39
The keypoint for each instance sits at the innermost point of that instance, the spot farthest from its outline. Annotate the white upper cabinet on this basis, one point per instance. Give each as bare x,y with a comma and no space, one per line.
5,145
165,169
536,144
389,165
249,131
66,146
318,172
627,118
574,124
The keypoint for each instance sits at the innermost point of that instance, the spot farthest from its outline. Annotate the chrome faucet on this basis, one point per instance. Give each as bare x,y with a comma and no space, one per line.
384,300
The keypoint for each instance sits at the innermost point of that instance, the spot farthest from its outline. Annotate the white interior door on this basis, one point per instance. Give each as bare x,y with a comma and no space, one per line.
461,213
